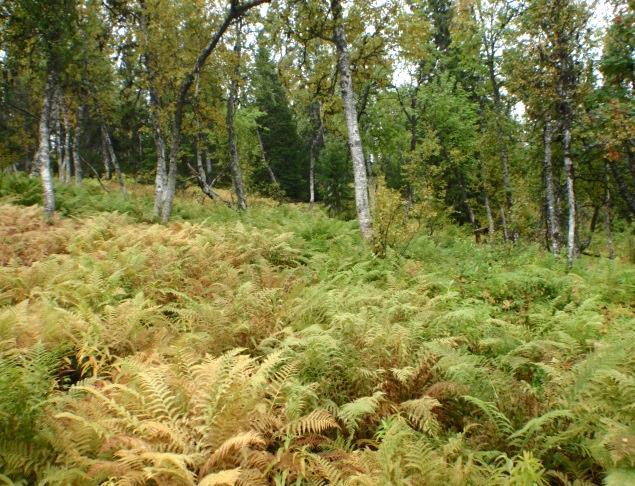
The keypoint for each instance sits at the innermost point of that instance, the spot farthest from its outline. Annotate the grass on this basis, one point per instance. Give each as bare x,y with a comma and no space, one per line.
272,347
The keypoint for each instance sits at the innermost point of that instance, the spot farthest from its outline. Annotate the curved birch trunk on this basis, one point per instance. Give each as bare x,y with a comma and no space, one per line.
354,139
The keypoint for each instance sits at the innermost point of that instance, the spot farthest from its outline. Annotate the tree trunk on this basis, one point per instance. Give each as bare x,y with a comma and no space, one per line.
498,107
44,159
607,213
57,112
105,157
354,140
208,166
570,178
161,178
623,187
76,146
553,226
468,208
272,176
316,144
504,223
67,148
234,161
236,11
113,159
491,229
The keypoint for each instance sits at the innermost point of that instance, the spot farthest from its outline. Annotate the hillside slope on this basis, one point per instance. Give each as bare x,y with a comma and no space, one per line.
274,348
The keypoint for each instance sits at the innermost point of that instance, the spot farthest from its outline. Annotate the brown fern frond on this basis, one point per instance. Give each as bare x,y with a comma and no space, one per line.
231,446
445,389
256,459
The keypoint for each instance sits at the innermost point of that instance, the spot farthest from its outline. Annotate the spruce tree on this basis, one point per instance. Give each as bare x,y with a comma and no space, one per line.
282,146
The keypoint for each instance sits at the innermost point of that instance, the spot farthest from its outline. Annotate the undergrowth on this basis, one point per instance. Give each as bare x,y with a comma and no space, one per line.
274,348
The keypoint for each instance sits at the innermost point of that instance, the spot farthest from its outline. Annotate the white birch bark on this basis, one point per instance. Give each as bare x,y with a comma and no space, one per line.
113,159
66,162
77,160
354,139
44,159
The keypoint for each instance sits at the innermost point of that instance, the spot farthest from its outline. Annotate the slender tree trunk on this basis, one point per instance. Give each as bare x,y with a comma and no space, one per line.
44,148
272,175
59,145
76,146
67,148
354,140
504,154
504,224
468,208
208,166
625,192
236,10
491,229
105,157
57,112
234,161
553,225
570,178
161,178
316,144
607,213
113,159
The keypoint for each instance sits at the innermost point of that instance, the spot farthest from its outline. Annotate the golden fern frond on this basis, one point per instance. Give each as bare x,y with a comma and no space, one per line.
420,412
226,477
316,422
233,445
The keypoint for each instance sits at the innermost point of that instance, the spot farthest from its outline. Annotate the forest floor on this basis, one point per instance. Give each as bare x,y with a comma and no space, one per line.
274,348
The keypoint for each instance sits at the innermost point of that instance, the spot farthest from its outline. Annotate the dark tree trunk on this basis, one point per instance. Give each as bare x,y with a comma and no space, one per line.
553,226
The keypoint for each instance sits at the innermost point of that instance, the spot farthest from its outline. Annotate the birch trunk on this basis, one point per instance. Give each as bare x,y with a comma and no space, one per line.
491,229
105,158
272,175
67,148
113,159
504,154
236,11
161,178
234,162
76,146
316,145
44,159
354,140
57,112
208,166
569,178
553,226
607,213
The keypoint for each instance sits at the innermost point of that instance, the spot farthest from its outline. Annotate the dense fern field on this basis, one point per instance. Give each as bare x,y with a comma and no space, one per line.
273,347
